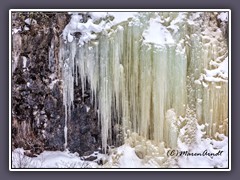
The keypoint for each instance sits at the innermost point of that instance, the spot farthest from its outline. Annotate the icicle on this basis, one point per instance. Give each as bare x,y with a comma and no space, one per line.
68,82
16,50
139,83
51,56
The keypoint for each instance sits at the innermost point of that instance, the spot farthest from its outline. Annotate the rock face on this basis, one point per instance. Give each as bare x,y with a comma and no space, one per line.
83,130
37,100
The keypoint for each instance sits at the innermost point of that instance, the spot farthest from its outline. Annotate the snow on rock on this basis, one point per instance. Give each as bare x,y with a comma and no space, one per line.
86,29
122,16
218,74
16,30
30,21
24,62
69,37
174,24
53,83
157,33
223,16
87,108
203,146
89,28
98,15
209,146
124,157
129,158
143,155
26,28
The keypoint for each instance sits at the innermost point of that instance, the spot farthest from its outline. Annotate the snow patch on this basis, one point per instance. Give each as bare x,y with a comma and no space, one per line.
175,22
87,108
209,146
223,16
26,28
24,62
89,28
16,30
30,21
49,159
157,33
86,29
200,144
218,74
122,16
98,15
51,85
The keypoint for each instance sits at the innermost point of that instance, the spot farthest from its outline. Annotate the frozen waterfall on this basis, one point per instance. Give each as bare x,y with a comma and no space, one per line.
146,71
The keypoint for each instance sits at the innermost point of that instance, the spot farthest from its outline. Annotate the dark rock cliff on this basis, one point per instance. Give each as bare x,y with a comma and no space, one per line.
37,100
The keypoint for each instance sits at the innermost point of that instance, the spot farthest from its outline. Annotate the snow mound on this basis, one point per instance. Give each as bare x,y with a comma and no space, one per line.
49,159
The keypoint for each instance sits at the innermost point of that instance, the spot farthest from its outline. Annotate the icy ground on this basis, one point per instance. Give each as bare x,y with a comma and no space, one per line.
125,157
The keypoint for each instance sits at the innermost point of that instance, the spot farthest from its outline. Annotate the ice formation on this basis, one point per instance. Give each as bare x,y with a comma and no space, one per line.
146,71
